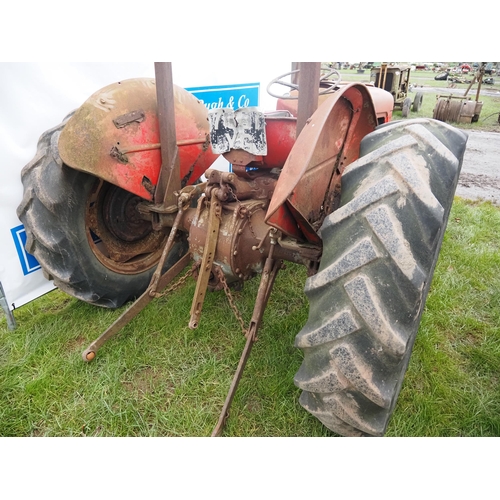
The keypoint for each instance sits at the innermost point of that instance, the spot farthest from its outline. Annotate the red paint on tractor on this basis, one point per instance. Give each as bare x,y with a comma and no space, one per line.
128,155
280,135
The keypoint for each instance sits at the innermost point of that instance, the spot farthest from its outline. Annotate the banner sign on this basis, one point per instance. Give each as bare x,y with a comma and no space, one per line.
228,96
20,273
28,263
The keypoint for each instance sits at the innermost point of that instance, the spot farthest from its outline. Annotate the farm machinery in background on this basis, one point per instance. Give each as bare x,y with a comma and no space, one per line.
396,80
121,198
461,109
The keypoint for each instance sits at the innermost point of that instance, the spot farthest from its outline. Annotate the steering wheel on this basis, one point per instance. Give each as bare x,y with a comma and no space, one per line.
324,80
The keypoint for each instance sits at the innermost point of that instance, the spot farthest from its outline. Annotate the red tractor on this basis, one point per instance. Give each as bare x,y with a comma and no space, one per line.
120,199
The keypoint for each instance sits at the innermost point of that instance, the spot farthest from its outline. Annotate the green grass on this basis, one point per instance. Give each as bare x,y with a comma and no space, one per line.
159,378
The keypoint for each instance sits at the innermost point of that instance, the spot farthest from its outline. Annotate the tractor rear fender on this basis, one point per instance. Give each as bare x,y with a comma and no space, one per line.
309,185
114,136
383,103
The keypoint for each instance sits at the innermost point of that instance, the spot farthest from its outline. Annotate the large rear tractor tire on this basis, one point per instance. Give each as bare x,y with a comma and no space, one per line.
85,233
380,249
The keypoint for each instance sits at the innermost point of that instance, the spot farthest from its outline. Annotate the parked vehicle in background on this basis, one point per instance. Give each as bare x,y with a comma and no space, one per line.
489,70
395,79
442,76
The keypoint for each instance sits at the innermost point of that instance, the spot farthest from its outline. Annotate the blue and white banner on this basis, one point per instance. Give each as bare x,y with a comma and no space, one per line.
235,96
35,97
28,263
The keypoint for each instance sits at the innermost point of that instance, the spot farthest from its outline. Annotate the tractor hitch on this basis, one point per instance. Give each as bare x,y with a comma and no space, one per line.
206,262
91,351
271,268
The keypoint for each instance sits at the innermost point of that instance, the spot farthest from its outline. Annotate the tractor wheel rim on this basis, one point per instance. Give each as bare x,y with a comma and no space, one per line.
118,237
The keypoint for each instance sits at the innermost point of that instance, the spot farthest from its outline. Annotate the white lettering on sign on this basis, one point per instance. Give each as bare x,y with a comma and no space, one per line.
243,102
231,96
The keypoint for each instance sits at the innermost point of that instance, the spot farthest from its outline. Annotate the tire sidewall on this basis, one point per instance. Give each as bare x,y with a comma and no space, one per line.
55,222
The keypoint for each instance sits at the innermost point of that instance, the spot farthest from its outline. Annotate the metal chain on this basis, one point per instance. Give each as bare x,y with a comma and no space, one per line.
247,215
178,284
232,304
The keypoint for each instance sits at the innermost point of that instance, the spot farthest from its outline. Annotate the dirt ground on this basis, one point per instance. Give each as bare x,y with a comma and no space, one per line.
480,176
489,91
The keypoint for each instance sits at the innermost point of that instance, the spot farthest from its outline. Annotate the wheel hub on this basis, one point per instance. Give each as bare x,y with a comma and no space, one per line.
121,217
126,243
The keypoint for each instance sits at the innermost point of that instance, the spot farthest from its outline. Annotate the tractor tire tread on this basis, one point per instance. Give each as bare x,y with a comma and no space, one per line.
368,295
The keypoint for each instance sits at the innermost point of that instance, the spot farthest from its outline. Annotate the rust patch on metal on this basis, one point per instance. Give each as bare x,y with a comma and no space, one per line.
124,120
118,155
148,185
128,243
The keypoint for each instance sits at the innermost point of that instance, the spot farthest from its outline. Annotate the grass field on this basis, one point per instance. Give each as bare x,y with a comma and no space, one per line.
159,378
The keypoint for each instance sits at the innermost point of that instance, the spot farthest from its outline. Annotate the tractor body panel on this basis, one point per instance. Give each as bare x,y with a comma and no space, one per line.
115,136
280,132
383,103
309,185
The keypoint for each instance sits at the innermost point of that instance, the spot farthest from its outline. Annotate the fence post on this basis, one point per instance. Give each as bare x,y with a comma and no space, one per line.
11,322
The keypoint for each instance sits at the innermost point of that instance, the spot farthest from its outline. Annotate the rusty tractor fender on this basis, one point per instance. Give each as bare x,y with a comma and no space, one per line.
115,136
308,188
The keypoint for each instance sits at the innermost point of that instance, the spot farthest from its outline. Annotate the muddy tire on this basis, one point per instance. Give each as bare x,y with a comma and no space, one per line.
380,249
417,102
405,110
84,232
